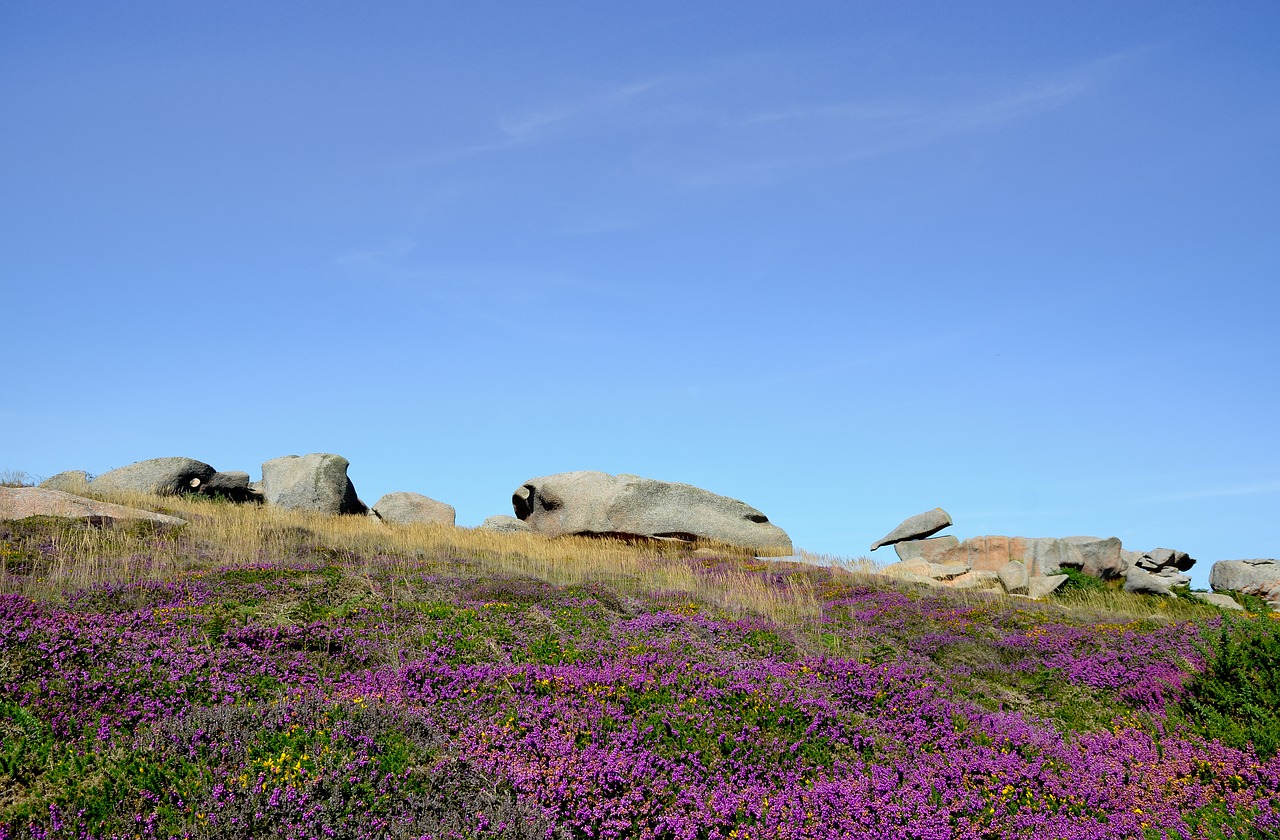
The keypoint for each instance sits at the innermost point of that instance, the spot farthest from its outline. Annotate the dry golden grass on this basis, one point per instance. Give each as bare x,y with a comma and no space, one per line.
225,534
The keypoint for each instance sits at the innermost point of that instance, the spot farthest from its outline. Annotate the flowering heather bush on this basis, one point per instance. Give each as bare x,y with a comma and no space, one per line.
329,693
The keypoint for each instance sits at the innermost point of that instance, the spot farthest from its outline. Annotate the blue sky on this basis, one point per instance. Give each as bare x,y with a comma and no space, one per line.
844,261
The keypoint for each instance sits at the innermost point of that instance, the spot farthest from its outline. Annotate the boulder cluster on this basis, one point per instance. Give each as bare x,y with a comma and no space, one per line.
588,503
1034,566
582,503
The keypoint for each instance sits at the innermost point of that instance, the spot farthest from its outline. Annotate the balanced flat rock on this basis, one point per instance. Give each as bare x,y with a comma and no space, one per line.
21,502
916,528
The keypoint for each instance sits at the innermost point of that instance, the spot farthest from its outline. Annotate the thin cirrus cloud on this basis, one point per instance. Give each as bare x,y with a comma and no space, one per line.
677,138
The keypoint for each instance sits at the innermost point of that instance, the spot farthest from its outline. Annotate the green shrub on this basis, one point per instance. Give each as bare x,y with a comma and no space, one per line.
1078,581
1236,699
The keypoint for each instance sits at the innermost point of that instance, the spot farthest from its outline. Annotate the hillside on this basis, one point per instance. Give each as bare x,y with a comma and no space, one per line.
262,673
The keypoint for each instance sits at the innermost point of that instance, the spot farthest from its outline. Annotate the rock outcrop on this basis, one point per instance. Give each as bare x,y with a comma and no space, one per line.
410,508
599,504
158,476
21,502
916,528
1029,566
316,482
1260,578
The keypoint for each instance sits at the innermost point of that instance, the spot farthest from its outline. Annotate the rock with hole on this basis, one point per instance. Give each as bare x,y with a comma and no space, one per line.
598,504
158,476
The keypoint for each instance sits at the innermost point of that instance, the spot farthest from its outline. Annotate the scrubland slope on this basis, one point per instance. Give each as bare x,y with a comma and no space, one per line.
262,673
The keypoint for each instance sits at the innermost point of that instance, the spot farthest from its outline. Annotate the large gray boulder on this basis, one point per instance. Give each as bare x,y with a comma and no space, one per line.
410,508
925,549
158,476
1101,557
916,528
595,503
1260,578
316,482
21,502
71,481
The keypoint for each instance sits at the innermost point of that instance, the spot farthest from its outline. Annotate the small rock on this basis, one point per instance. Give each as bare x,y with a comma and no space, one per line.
1041,587
929,549
975,579
21,502
504,524
231,485
409,508
1226,602
71,481
1014,577
917,527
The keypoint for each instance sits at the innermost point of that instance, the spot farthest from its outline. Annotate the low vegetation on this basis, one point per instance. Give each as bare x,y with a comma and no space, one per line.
263,673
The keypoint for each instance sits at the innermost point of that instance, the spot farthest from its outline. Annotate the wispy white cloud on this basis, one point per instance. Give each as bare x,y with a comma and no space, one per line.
500,294
548,117
1256,488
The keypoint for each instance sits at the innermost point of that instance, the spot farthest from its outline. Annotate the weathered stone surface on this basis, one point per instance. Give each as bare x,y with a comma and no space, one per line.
1225,602
1139,581
595,503
987,553
1259,577
1014,577
71,481
231,485
21,502
316,482
409,508
1042,587
160,476
1102,557
975,579
505,524
917,527
1165,558
947,571
907,567
929,549
1042,556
